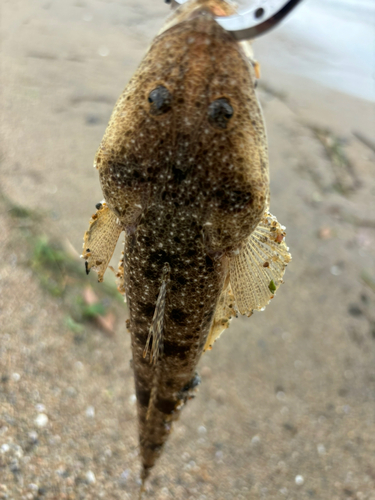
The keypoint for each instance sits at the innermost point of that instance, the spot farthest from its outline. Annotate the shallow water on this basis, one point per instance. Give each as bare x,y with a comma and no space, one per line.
329,41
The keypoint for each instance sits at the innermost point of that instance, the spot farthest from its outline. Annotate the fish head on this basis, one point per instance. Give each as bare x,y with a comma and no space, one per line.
190,65
192,103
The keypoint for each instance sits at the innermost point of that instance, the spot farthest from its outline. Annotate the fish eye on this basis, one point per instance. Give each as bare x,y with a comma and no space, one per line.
160,100
220,112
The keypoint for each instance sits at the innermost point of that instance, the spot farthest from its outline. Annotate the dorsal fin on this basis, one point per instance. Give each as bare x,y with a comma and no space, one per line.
156,334
156,329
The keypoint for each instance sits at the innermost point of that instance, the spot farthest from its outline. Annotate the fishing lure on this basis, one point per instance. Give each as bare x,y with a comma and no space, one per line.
183,167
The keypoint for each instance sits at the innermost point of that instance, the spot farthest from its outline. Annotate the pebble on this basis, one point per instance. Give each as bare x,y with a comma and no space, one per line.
90,477
325,233
124,476
5,448
335,270
53,440
18,451
132,399
14,466
255,440
280,395
206,371
79,366
41,420
71,391
191,465
90,412
103,51
16,377
202,430
321,449
33,436
299,480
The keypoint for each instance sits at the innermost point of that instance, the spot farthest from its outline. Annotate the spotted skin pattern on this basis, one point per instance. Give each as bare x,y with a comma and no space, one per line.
183,167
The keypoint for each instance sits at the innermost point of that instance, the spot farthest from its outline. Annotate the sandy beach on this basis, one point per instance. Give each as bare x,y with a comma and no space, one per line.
286,408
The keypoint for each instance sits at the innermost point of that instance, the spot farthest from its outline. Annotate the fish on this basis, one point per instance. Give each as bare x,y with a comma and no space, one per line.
183,167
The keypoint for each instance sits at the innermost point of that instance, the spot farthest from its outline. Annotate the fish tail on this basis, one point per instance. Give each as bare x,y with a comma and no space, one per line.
158,408
155,421
142,488
154,430
156,417
160,397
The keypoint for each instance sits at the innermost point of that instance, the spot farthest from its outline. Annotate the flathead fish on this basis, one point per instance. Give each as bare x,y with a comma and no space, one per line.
183,167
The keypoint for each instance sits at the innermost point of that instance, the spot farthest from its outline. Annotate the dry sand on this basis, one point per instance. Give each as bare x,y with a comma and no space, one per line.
286,409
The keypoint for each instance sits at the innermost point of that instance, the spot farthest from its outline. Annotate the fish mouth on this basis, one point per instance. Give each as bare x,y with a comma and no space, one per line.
188,12
204,12
256,20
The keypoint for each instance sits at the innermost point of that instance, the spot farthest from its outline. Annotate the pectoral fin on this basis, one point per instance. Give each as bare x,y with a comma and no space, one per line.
224,312
256,270
100,240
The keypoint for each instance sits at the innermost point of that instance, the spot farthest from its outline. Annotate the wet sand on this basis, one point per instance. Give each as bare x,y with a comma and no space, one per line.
286,408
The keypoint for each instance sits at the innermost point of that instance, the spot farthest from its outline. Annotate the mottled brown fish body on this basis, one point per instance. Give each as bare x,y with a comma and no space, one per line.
192,291
188,186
